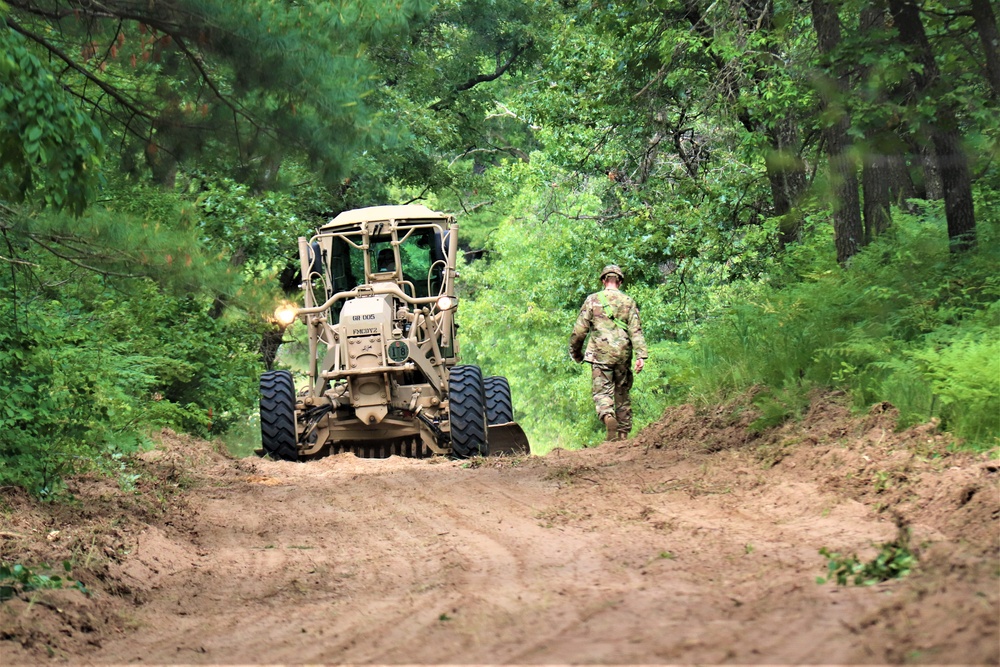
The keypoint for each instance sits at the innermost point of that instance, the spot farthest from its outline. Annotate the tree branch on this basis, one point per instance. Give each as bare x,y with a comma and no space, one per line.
76,262
122,13
17,261
199,65
481,78
512,150
598,218
103,85
420,196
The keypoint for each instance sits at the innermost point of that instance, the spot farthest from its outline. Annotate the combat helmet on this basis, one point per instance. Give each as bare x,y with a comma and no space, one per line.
613,270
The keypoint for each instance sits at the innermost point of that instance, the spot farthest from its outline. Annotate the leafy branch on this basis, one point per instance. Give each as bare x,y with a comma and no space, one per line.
474,81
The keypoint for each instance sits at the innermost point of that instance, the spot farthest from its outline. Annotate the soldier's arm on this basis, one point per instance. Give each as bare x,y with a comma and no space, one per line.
635,333
579,334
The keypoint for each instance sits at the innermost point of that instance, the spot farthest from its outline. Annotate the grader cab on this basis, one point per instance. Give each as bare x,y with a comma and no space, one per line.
383,378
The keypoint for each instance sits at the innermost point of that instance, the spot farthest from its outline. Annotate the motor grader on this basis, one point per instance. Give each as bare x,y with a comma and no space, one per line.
383,378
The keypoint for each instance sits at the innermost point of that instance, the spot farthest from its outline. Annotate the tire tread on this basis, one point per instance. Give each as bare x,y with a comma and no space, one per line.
277,415
467,403
499,406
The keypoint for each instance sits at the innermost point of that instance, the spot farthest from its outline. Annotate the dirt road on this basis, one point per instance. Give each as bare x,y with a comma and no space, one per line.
674,547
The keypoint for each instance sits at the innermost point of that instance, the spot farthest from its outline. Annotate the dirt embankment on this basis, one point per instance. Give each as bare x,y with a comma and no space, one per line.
696,541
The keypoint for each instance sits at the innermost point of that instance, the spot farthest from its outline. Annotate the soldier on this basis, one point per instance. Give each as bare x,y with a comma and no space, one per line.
612,320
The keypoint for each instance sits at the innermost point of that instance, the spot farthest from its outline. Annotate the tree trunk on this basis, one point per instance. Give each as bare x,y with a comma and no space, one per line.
901,187
986,26
848,230
875,179
956,181
267,174
786,171
876,166
929,187
787,175
220,302
162,163
270,341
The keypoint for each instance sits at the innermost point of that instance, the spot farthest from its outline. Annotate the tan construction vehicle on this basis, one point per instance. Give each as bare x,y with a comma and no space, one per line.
379,302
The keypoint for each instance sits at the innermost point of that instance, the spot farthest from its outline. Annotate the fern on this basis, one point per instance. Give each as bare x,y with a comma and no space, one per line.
906,323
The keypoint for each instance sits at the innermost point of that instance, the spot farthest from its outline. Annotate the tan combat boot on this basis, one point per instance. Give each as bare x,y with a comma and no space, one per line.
611,424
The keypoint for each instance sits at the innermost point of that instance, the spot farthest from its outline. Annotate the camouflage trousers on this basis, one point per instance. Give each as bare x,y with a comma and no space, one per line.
611,386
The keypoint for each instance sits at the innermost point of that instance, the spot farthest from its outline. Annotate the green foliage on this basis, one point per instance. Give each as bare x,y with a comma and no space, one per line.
86,372
450,86
905,323
204,369
893,561
520,305
49,148
776,407
262,227
242,438
17,579
164,247
961,371
62,405
252,81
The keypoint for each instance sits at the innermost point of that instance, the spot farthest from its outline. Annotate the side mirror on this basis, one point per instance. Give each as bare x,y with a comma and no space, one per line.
315,258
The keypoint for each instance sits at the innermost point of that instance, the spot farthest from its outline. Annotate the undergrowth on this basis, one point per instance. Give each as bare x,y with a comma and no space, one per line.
83,379
906,322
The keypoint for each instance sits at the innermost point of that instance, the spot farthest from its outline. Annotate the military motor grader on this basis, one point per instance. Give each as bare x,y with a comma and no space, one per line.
378,291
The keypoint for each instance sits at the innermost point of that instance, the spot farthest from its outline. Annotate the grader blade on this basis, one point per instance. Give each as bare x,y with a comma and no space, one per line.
508,439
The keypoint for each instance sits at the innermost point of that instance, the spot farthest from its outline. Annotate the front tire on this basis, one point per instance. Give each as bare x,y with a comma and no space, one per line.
499,406
467,405
277,415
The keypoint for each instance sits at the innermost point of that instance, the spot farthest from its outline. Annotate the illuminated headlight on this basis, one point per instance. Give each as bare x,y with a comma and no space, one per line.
285,314
447,303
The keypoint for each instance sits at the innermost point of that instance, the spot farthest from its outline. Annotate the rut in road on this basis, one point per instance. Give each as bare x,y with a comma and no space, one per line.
695,542
594,556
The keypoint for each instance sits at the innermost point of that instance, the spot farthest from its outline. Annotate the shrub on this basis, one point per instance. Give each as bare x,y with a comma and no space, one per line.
907,322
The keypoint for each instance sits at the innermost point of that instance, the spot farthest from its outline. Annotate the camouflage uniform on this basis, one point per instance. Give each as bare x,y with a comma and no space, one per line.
609,352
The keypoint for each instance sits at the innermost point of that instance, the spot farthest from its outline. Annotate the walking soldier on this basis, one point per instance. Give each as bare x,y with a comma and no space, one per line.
611,319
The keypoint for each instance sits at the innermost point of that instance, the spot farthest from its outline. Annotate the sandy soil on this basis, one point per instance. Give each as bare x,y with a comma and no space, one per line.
694,542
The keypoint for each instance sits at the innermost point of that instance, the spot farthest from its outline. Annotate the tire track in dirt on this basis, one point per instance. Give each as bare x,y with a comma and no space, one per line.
702,602
401,561
324,541
686,544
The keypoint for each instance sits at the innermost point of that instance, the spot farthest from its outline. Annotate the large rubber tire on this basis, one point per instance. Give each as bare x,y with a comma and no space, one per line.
277,415
467,401
499,407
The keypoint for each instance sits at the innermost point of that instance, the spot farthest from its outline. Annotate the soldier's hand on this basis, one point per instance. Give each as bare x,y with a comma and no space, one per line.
639,363
578,358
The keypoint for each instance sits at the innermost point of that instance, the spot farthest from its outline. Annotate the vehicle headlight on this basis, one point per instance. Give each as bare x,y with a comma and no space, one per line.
446,303
285,314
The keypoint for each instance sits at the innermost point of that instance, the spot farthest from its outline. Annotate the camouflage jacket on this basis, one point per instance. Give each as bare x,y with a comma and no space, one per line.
609,343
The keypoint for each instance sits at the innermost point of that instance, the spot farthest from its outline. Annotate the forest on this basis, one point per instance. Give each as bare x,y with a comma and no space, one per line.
803,196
